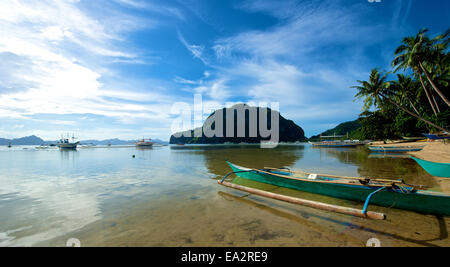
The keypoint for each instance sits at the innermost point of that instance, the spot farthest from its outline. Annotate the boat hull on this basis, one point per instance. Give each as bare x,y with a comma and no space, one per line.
394,149
330,144
437,137
434,168
420,201
68,145
144,145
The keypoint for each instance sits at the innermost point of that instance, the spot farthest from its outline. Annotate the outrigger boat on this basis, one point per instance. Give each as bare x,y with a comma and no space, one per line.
395,149
438,136
434,168
381,192
335,144
65,144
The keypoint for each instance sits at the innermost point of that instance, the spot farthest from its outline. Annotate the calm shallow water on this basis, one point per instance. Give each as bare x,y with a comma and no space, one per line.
168,196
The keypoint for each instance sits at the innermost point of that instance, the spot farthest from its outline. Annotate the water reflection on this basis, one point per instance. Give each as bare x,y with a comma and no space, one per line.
386,166
167,192
246,155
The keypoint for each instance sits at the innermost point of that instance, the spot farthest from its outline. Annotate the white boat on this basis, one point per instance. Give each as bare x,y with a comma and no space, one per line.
145,143
64,143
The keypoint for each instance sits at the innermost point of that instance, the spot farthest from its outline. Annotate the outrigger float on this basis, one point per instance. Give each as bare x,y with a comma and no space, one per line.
381,192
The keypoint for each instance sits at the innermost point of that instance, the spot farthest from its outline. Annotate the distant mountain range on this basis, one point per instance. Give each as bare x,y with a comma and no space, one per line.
23,141
34,140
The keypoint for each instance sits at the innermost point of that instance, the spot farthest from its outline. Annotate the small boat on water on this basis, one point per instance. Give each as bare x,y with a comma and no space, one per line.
434,168
395,149
9,145
144,143
335,144
64,143
382,192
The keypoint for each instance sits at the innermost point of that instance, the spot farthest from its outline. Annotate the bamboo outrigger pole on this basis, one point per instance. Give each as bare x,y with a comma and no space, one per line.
308,203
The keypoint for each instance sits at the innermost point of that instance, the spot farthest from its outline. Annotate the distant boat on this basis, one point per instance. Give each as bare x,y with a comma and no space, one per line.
335,144
437,136
9,145
434,168
145,143
64,143
395,149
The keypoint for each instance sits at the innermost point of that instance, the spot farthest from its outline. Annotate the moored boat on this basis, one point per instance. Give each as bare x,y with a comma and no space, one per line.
382,192
144,143
434,168
395,149
64,143
335,144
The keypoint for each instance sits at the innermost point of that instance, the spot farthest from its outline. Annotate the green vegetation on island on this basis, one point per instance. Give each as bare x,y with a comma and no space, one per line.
345,129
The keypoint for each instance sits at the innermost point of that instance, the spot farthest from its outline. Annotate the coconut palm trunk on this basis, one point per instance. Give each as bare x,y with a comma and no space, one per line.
413,114
433,85
414,107
428,95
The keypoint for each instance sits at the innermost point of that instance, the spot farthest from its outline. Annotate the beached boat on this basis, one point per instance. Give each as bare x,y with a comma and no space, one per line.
395,149
382,192
434,168
437,136
413,139
144,143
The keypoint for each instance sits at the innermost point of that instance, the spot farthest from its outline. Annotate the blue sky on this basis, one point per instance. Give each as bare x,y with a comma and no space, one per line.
105,69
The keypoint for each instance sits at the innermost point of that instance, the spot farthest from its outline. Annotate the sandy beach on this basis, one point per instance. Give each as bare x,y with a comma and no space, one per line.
436,151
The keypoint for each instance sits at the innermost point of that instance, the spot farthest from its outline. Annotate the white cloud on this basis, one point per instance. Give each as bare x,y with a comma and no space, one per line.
149,6
53,52
196,50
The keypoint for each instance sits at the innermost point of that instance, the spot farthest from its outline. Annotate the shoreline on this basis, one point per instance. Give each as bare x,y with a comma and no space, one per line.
436,151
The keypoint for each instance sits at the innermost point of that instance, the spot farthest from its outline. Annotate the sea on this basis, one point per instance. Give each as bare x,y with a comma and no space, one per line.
169,196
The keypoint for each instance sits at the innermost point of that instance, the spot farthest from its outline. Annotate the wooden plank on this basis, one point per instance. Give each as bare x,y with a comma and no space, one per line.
341,181
336,176
308,203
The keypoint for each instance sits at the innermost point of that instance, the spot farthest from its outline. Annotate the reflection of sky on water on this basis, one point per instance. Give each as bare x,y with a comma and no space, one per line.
48,193
44,194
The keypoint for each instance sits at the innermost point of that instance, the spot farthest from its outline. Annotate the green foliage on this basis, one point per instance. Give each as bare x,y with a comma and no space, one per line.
402,107
346,128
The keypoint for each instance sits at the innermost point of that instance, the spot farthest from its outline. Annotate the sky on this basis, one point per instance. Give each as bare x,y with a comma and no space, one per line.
120,68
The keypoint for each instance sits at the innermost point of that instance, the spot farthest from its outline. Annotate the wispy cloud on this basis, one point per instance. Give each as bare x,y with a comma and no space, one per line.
196,50
159,8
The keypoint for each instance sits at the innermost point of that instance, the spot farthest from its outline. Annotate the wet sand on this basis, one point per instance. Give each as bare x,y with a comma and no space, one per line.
231,218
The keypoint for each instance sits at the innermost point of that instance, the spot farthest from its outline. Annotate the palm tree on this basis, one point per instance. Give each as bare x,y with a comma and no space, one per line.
377,92
417,52
406,90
